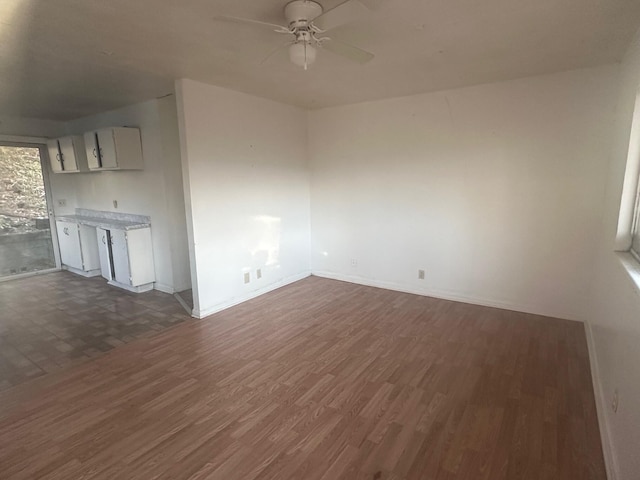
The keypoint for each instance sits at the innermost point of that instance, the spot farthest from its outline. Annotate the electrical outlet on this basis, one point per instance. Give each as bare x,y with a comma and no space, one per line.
354,263
247,277
420,274
614,401
115,204
62,202
259,273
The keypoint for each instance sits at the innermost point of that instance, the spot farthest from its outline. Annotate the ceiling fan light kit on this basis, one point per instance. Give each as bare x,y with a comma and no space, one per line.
301,17
302,54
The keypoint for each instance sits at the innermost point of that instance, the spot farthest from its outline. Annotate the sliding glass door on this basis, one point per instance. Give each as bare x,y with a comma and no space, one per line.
26,243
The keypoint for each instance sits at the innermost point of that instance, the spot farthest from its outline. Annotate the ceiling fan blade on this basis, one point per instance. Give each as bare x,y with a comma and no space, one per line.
372,4
248,21
347,51
346,12
274,51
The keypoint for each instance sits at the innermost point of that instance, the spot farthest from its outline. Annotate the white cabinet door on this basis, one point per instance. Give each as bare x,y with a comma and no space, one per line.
128,148
89,247
74,157
104,253
54,155
107,148
91,149
68,154
69,241
120,257
126,257
114,148
140,256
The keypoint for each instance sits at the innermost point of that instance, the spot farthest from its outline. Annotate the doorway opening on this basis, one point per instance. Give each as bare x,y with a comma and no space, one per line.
26,243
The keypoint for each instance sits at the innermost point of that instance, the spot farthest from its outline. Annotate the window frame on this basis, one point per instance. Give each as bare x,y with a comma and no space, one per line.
635,226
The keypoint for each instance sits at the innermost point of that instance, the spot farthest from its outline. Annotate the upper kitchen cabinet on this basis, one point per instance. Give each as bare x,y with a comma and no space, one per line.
67,154
114,148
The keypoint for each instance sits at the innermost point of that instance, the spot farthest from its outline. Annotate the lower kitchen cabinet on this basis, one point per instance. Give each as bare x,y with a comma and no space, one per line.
126,258
78,248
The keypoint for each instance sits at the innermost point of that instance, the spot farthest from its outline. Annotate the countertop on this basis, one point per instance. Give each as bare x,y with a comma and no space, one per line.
116,221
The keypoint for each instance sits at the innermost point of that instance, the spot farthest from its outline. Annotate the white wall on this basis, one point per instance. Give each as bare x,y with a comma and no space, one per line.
155,191
496,191
245,168
614,321
174,194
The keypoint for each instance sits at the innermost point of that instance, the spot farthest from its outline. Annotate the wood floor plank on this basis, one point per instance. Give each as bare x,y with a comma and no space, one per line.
317,380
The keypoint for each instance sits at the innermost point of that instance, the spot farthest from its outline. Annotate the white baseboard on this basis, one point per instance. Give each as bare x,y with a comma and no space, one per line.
181,287
601,407
84,273
182,302
444,295
237,300
164,288
147,287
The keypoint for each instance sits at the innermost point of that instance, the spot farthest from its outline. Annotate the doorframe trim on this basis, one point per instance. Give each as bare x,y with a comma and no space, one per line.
20,140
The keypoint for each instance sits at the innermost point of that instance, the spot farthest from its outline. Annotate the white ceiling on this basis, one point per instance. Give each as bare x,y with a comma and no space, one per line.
64,59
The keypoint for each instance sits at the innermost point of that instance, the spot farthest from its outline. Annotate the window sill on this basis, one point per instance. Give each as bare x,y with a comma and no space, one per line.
632,267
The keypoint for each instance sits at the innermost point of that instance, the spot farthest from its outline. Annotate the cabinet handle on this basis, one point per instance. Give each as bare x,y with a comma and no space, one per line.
100,152
94,153
66,230
58,157
103,240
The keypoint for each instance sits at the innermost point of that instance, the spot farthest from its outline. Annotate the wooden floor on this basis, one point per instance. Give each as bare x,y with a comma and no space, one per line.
49,322
319,380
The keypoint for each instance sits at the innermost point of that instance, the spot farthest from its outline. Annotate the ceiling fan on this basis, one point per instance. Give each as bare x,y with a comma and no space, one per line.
307,22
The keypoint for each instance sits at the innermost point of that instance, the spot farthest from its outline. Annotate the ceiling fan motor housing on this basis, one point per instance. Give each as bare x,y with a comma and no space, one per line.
300,13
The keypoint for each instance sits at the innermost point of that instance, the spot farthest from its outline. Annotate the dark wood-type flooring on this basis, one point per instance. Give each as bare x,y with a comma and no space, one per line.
48,322
318,380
